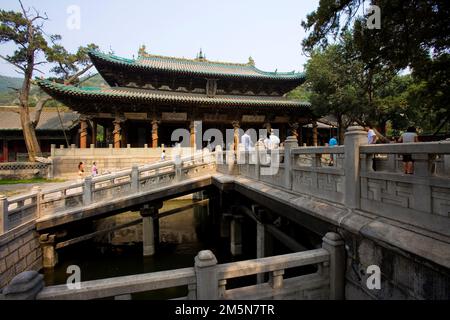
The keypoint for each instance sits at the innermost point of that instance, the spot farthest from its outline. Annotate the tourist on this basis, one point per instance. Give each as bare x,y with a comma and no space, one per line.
94,170
371,135
266,141
246,141
332,143
408,137
274,140
163,155
81,169
372,139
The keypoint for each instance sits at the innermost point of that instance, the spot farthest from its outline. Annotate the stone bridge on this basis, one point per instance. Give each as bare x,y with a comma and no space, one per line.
397,222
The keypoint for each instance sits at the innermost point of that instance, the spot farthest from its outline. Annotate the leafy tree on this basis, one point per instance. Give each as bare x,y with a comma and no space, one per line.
413,34
334,80
25,30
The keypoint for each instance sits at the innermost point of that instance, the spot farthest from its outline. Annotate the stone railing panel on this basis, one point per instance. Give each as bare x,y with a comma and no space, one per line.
410,198
314,174
21,209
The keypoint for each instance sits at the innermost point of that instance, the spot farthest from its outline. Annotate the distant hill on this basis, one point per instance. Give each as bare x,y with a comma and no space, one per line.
9,96
9,82
93,81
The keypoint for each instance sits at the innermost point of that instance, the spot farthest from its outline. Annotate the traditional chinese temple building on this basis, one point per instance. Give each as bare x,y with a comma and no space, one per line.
151,96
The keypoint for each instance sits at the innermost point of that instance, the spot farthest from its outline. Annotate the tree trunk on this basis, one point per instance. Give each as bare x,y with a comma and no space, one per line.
29,135
341,130
38,110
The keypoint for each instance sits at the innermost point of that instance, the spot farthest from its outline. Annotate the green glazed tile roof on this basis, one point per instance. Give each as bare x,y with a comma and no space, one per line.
127,95
195,67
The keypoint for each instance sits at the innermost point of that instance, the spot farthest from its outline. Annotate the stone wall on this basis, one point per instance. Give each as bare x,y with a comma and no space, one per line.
23,170
19,251
67,167
403,276
66,160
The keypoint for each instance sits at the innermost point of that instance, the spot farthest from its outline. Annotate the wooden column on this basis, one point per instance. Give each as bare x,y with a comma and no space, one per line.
117,133
315,134
300,135
5,151
282,131
293,129
155,124
236,127
83,132
94,133
192,131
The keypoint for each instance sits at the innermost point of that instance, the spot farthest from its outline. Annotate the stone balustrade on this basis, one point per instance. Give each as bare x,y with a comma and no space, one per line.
362,177
84,192
208,280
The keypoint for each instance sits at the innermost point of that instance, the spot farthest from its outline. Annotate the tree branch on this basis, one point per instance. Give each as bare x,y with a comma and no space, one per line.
38,110
75,76
13,63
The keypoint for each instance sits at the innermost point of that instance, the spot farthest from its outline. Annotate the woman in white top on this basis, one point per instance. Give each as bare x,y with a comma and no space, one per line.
409,136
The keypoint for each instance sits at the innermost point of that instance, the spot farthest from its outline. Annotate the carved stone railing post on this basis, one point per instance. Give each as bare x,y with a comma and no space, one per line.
354,138
135,178
50,169
333,243
178,168
87,191
38,191
206,274
276,281
4,220
259,149
222,288
24,286
52,150
289,144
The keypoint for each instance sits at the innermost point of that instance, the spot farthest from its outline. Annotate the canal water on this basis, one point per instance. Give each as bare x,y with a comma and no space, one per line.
183,235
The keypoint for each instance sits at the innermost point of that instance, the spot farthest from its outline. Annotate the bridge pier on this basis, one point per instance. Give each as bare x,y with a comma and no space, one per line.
236,235
225,225
49,254
150,227
260,247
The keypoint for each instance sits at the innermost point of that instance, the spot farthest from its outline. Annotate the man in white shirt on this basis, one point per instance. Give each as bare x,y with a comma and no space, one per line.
274,141
246,141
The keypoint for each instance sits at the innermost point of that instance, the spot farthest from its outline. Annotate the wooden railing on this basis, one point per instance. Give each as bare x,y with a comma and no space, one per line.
208,280
84,192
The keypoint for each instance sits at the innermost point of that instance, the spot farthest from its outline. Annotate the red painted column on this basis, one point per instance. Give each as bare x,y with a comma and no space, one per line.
5,151
83,132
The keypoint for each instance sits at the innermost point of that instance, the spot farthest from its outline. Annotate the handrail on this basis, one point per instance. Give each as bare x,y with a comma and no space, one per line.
441,147
262,265
317,150
104,288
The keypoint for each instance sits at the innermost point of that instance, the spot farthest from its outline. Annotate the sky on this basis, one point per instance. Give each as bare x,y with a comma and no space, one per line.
268,31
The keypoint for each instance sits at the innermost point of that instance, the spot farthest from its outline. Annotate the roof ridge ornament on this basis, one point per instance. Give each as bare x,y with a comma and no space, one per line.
142,52
201,56
251,62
